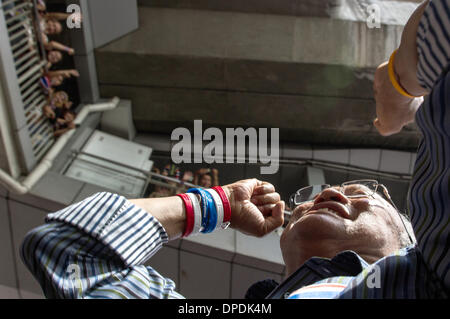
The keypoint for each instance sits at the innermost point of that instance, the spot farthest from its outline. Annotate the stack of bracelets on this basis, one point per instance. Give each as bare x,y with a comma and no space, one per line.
206,210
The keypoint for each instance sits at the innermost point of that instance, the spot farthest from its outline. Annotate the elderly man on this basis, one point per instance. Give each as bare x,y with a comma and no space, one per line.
345,241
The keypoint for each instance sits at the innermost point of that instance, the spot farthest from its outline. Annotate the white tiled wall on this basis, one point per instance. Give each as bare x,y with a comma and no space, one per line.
16,219
220,244
387,161
366,158
204,277
413,162
263,253
24,294
395,162
64,189
3,191
35,201
243,277
294,151
23,219
7,272
6,292
340,156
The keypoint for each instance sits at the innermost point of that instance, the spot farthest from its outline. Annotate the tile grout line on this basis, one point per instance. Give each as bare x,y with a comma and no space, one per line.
16,271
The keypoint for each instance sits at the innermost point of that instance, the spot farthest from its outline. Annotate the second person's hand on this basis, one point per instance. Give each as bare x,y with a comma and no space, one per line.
393,109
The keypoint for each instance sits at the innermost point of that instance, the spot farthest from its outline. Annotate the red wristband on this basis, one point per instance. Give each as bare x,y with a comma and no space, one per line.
190,218
226,204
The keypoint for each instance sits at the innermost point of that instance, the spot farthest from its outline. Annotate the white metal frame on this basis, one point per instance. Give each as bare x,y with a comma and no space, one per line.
23,187
20,69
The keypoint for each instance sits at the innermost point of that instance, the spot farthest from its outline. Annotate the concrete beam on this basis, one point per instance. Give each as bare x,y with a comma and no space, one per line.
309,76
169,71
304,119
230,35
311,8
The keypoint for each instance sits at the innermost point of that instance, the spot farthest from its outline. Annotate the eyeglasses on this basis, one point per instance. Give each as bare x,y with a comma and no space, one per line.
351,189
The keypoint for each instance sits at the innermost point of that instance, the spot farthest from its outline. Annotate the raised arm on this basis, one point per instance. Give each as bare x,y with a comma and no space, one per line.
57,15
96,248
64,73
53,45
395,110
423,68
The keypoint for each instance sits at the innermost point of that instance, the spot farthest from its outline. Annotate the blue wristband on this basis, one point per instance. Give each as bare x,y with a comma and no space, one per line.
212,213
209,211
203,204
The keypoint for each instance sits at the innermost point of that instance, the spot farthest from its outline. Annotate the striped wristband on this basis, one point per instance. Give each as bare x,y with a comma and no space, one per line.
226,206
212,213
219,207
197,214
204,206
190,218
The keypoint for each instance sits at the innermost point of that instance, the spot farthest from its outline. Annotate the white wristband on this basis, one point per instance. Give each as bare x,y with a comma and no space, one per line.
219,207
197,214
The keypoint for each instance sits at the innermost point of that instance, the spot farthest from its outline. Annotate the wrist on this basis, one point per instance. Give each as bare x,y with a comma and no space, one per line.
229,193
405,69
407,60
169,211
213,211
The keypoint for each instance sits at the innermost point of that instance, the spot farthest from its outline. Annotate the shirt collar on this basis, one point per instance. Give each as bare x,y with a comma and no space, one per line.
346,263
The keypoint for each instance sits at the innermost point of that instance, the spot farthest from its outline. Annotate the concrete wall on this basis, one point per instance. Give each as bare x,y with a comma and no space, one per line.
18,215
309,76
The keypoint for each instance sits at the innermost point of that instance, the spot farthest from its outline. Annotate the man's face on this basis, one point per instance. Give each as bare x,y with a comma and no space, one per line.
54,57
333,222
53,27
205,181
57,80
68,117
60,97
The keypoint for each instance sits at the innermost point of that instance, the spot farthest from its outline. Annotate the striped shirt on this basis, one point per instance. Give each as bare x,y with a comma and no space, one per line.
97,248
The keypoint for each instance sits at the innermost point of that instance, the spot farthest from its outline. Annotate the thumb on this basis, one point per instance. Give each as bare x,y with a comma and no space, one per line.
380,128
377,123
386,131
276,219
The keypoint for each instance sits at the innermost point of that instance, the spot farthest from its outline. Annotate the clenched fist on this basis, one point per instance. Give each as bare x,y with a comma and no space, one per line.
256,209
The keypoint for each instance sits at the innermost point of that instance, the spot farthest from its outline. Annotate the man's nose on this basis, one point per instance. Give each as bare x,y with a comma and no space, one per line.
331,194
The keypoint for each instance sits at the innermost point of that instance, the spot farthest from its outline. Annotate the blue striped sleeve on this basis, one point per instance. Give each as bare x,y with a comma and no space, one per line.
96,249
132,233
433,43
429,200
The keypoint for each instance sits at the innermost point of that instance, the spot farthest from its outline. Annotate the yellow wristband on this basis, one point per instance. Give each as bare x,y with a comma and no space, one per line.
393,78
